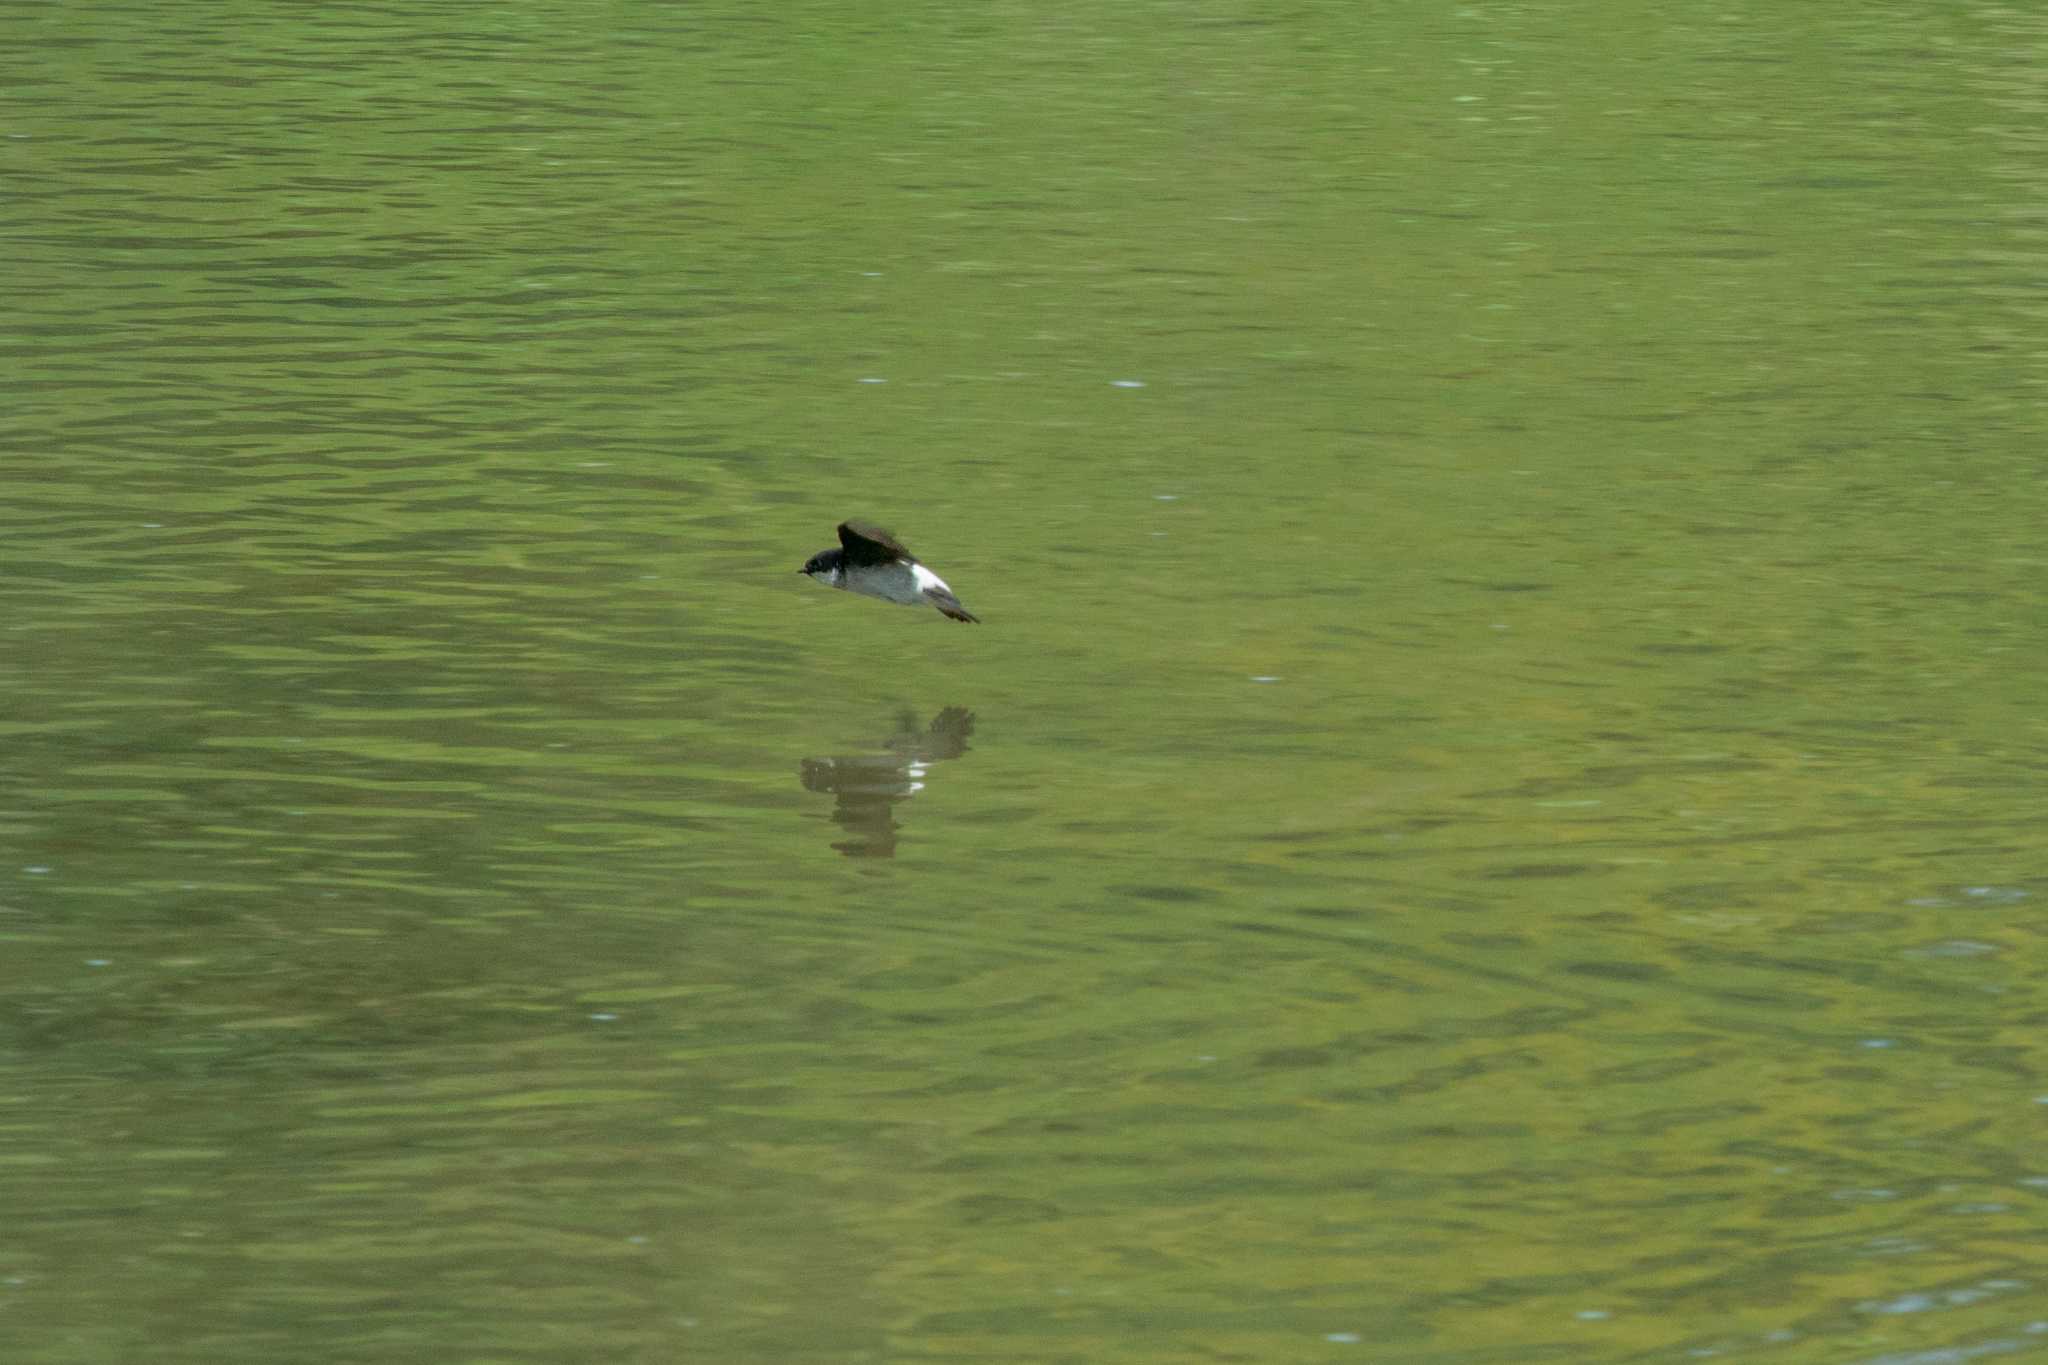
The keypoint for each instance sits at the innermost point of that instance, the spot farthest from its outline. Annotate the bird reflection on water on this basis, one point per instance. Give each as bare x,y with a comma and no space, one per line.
868,785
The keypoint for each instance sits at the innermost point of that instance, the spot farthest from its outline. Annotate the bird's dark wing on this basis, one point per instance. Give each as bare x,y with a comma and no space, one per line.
866,544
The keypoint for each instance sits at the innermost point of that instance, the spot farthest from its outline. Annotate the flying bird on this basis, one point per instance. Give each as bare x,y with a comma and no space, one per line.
874,563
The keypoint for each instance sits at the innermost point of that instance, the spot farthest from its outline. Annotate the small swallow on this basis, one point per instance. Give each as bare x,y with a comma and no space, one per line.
874,563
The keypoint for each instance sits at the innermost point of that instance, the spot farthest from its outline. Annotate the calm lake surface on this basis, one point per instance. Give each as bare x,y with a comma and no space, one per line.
1496,814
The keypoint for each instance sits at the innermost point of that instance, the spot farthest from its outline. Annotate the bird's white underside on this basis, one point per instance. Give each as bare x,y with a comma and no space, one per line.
904,584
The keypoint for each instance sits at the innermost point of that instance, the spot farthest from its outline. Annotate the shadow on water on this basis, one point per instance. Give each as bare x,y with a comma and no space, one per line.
868,785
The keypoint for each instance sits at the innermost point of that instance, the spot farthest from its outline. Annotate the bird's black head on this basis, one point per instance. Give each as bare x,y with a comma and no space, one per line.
825,561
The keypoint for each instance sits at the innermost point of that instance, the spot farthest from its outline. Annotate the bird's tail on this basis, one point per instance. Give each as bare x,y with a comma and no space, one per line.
950,606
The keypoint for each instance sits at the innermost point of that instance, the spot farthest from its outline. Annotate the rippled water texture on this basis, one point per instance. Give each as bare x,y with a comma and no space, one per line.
1495,813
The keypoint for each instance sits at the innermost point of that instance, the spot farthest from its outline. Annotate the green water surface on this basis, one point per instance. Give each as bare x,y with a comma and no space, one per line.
1495,814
